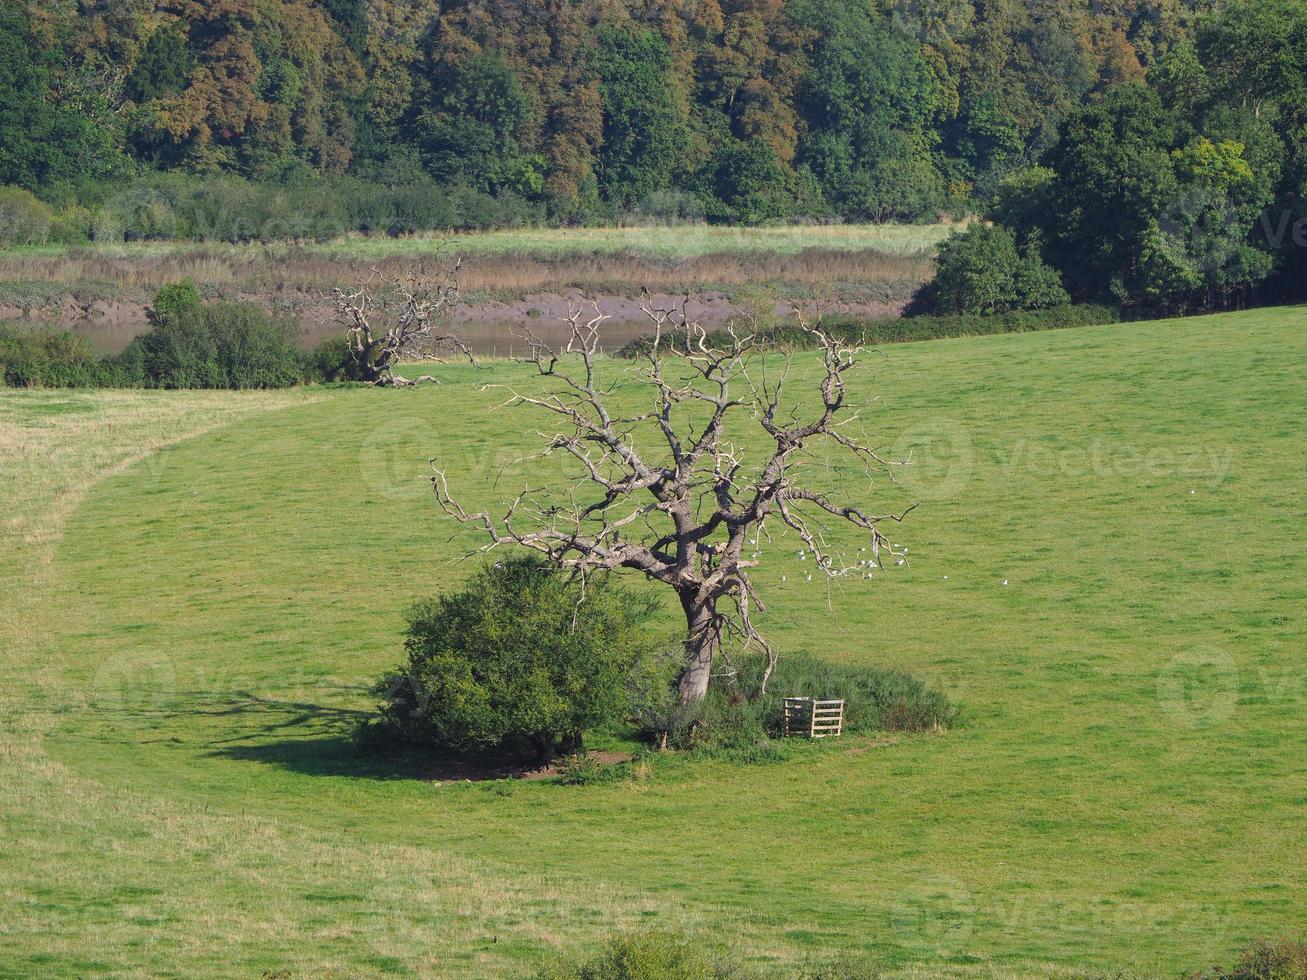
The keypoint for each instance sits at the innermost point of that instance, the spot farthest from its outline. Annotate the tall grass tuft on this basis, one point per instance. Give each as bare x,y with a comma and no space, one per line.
736,720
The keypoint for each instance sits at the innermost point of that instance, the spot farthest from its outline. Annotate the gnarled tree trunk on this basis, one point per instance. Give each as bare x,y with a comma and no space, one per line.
702,640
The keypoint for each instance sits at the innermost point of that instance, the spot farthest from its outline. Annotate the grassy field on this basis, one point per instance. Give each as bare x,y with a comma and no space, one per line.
1109,572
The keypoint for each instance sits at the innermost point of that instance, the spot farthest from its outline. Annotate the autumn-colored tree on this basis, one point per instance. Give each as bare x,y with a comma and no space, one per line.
869,108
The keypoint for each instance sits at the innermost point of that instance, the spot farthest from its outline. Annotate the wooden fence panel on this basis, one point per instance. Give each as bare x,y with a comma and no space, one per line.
813,718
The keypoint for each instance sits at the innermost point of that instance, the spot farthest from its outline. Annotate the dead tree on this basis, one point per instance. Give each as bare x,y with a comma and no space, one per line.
388,318
671,493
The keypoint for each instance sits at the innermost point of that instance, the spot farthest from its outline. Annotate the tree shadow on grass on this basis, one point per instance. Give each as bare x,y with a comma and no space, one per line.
342,755
312,739
324,742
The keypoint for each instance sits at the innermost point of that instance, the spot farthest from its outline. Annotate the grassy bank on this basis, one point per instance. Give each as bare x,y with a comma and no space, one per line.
506,276
666,242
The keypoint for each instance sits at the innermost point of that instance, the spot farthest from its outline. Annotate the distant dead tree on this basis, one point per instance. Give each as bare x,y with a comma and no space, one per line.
668,491
388,318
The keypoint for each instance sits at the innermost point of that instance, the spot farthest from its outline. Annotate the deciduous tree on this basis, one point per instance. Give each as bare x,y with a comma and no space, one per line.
678,490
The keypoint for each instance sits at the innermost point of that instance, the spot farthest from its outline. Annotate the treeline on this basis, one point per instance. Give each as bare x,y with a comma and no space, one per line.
464,113
1178,194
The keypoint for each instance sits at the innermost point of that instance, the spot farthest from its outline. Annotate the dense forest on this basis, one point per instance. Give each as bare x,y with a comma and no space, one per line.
1149,150
739,110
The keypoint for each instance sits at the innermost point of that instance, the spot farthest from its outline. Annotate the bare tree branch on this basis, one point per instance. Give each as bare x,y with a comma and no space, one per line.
391,317
670,492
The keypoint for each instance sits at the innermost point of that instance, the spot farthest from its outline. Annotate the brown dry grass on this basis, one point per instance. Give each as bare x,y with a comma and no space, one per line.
273,271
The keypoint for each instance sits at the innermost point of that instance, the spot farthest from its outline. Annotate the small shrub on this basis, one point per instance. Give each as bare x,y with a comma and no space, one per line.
1283,959
655,955
219,345
876,700
982,272
38,358
330,360
733,722
519,655
585,770
24,219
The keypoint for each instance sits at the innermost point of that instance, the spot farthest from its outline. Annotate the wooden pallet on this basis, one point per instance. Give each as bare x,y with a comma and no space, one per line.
812,718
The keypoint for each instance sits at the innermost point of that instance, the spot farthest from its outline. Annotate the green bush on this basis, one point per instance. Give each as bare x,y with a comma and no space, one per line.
982,272
876,700
182,207
24,219
36,358
330,360
520,655
125,369
1284,959
655,955
736,723
221,345
917,328
190,344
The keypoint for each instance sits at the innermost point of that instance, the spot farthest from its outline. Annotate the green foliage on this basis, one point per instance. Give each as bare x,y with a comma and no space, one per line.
737,723
192,344
653,955
644,130
1114,173
1198,252
1134,208
24,220
48,141
46,359
748,184
875,700
1253,51
392,201
1021,199
579,113
922,327
1282,959
331,360
469,134
866,97
162,67
982,272
521,653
